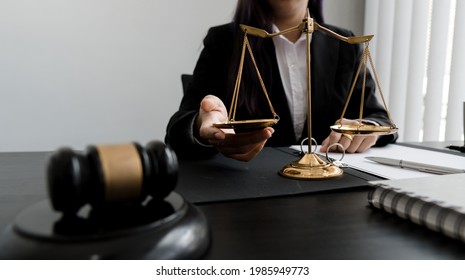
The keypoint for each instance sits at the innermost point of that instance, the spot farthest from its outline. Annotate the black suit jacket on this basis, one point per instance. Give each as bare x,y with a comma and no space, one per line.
333,63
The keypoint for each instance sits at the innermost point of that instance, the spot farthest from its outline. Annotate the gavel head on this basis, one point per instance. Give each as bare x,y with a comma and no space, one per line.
114,174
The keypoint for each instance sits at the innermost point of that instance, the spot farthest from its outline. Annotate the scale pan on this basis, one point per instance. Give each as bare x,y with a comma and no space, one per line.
247,124
364,129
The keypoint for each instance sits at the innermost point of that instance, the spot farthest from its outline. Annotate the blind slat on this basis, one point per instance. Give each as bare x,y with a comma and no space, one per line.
371,24
436,69
416,70
384,44
399,65
454,119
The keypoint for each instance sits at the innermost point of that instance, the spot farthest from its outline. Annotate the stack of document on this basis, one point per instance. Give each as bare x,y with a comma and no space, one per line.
359,161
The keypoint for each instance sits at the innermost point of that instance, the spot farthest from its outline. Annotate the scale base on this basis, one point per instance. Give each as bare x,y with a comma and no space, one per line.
168,229
310,166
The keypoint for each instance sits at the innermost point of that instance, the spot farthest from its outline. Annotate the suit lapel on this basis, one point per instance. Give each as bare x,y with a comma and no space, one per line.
324,65
277,94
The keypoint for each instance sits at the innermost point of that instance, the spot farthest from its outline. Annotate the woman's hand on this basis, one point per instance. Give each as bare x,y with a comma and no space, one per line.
351,144
242,146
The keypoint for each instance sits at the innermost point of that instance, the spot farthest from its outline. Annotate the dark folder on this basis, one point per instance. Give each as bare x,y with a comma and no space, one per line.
221,178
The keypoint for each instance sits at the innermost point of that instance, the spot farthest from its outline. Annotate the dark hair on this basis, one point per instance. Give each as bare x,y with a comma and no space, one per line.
256,13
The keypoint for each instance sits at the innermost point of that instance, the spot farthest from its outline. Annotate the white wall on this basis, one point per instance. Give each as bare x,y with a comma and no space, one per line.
80,72
345,13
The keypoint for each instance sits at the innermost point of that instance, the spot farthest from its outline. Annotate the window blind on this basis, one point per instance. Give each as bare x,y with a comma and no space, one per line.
418,53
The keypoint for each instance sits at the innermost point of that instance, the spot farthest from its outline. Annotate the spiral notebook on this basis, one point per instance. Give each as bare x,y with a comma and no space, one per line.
437,202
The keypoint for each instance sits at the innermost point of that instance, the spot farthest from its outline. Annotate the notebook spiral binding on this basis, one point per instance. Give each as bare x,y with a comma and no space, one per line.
430,214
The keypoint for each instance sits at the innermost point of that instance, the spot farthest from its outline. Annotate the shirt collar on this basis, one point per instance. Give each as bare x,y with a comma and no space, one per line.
275,29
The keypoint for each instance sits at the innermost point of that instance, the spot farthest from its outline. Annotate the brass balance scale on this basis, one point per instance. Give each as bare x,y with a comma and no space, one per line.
310,166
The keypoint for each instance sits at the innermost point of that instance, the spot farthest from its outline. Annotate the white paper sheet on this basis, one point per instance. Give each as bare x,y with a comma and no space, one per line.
358,161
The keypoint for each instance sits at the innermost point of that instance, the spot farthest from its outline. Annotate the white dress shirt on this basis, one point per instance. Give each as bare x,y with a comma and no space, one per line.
292,65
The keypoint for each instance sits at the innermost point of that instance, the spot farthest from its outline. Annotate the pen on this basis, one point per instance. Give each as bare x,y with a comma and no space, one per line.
457,148
423,167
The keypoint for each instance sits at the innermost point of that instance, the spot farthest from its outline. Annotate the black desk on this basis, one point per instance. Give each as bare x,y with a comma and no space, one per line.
335,224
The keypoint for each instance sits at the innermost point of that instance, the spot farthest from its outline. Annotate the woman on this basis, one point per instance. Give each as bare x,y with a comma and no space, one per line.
281,61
